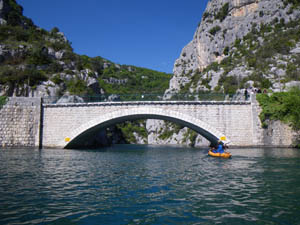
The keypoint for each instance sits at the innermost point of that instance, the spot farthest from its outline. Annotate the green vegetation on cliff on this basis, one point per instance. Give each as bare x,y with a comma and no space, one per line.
133,80
222,14
3,100
32,55
283,106
169,129
132,129
31,64
264,54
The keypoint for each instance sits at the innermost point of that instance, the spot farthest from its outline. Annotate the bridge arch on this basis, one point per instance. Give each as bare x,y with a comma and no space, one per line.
105,120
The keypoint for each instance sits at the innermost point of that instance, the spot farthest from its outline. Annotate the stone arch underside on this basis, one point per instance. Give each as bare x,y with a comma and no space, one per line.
106,120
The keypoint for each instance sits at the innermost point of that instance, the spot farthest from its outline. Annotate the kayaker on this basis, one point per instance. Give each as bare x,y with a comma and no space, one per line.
220,147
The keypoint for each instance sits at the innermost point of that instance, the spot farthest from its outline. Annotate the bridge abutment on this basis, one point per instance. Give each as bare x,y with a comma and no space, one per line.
20,122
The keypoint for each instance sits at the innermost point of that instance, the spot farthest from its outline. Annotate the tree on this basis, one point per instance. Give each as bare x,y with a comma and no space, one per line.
292,102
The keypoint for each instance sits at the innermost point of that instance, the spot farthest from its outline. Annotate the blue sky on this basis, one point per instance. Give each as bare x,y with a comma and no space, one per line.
145,33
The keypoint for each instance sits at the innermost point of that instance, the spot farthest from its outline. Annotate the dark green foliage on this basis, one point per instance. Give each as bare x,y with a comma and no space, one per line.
39,56
227,64
85,62
54,30
16,35
252,61
55,67
229,83
14,16
259,80
237,43
10,75
295,3
222,14
205,82
10,33
56,79
284,106
78,87
213,66
34,77
261,13
69,56
136,80
169,129
195,78
129,128
292,72
205,15
190,136
60,45
214,30
265,83
3,100
226,50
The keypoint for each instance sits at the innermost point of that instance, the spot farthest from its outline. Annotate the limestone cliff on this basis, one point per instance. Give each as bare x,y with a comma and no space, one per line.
242,44
223,23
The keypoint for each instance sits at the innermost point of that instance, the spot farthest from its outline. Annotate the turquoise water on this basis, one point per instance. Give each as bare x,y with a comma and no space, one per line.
132,184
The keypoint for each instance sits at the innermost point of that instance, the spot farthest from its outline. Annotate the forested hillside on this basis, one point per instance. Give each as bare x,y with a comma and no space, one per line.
38,63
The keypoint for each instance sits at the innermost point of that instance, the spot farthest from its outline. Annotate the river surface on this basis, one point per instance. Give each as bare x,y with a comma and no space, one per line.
132,184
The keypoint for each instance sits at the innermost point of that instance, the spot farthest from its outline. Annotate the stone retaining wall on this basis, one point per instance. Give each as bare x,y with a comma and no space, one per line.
20,122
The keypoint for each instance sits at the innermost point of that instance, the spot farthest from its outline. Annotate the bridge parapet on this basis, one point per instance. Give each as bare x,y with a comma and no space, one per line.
205,97
116,103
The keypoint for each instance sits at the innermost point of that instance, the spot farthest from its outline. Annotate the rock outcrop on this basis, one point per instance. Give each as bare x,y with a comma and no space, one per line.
224,22
4,10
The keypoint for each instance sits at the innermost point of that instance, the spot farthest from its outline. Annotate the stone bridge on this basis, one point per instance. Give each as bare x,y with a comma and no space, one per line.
27,122
68,125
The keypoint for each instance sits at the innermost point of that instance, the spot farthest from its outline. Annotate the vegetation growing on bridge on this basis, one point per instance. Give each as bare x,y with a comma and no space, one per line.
3,100
283,106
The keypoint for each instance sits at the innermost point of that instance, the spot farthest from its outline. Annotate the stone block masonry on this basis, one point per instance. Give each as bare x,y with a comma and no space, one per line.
26,122
67,121
20,122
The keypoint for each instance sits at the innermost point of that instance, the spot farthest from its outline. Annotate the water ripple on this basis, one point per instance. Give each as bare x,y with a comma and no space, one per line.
149,185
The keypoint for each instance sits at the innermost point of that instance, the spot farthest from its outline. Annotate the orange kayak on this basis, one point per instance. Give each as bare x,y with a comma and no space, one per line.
222,155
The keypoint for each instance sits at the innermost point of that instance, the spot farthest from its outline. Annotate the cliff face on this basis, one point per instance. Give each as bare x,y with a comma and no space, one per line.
242,44
224,22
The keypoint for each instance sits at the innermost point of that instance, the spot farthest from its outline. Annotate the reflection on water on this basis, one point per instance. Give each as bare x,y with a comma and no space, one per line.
149,185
